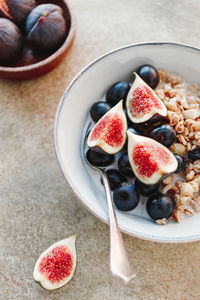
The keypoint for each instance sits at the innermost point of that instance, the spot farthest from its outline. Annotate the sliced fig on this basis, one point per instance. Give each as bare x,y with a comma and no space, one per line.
55,267
149,159
109,133
142,103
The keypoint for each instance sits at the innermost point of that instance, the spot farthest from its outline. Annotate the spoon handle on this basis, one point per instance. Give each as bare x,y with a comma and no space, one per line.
119,263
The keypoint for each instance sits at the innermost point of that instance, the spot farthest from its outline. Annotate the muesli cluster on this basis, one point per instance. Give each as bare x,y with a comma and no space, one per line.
183,103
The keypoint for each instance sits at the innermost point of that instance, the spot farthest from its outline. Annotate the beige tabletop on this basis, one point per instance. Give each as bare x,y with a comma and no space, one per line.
37,206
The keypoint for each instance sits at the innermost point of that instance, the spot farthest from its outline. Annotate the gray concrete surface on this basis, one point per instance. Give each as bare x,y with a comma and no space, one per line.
37,206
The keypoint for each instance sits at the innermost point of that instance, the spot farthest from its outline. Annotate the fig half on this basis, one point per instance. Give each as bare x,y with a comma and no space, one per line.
142,103
109,133
149,159
55,267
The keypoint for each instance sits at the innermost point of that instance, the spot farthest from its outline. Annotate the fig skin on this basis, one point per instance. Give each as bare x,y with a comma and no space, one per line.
46,27
11,42
20,9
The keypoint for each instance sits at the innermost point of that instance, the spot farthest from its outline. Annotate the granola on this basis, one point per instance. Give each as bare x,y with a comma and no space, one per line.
183,103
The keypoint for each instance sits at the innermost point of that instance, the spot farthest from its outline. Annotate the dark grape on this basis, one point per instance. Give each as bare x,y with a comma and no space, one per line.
183,162
126,197
99,159
98,109
115,178
195,153
160,206
117,92
149,74
164,134
147,190
124,166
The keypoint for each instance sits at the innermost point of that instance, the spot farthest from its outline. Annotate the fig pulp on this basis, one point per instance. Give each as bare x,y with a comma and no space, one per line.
149,159
142,103
55,267
109,133
11,41
46,27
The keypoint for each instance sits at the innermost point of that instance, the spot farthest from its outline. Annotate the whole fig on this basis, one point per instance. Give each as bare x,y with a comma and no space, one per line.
11,41
20,9
17,10
46,27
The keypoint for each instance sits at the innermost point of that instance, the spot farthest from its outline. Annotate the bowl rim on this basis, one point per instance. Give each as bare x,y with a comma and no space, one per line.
53,56
136,234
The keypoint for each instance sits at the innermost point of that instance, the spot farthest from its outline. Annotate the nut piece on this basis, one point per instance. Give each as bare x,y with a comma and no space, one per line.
188,212
161,221
178,148
167,188
191,114
190,175
183,111
169,179
178,214
186,189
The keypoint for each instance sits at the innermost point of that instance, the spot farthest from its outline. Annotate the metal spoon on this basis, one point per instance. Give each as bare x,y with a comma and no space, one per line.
119,263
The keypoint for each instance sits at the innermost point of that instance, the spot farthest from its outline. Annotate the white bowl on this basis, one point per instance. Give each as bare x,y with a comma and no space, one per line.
72,115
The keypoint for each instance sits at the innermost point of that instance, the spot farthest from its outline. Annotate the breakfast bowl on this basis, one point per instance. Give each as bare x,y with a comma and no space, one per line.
32,64
72,119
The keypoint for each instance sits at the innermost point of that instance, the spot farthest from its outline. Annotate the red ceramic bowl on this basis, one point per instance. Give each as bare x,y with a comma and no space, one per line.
41,66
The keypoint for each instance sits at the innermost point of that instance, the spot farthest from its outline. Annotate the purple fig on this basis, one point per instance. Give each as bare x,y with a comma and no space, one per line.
17,10
11,41
46,27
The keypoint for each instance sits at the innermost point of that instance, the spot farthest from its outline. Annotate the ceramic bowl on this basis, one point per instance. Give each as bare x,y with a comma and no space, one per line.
72,116
44,63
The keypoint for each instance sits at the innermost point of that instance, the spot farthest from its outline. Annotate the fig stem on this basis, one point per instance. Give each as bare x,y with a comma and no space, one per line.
45,14
42,18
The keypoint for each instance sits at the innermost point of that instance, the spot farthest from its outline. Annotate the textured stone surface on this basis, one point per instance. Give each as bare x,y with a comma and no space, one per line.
38,207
